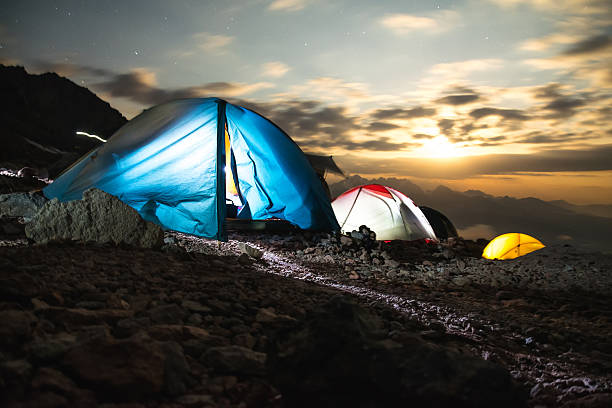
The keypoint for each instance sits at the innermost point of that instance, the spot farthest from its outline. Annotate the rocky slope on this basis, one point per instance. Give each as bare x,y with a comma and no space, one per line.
298,319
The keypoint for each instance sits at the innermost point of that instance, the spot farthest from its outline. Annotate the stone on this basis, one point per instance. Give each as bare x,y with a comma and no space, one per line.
176,370
194,306
357,235
12,227
48,399
328,259
431,334
130,369
52,348
91,305
169,240
39,304
344,240
177,332
448,253
19,286
244,260
251,250
268,315
601,400
15,327
15,375
195,400
131,326
24,205
391,263
244,340
50,379
461,281
80,317
99,217
338,355
167,314
504,295
235,360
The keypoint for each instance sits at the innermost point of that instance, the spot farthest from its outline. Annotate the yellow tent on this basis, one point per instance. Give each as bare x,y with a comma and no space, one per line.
510,246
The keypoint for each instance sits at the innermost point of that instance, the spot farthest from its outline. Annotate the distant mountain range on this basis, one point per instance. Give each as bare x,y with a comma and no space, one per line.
40,115
480,215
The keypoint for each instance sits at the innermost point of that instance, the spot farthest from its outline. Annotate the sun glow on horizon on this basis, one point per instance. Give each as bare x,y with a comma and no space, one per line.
440,148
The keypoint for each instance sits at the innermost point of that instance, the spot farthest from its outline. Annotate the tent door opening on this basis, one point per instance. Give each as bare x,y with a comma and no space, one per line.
233,199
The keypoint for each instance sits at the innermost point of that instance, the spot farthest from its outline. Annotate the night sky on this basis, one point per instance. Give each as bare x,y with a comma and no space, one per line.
512,97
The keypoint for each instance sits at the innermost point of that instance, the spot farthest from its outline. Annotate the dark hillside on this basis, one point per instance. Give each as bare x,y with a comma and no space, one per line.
40,115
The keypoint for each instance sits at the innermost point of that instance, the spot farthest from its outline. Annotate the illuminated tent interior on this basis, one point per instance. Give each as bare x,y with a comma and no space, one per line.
510,246
442,226
181,163
384,210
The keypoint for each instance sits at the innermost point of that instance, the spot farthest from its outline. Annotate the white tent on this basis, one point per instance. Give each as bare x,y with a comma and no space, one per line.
384,210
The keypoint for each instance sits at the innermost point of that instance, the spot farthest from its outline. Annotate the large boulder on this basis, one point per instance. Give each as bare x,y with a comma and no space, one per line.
342,356
24,205
99,217
129,369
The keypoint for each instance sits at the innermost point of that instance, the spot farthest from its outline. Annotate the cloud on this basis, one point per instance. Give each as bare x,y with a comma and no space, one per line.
140,85
549,91
274,69
422,136
287,5
403,113
541,138
213,43
458,99
317,127
446,125
335,86
331,90
232,88
589,59
544,43
69,69
381,126
402,24
508,114
589,46
593,7
600,76
558,104
545,161
406,23
461,69
563,107
382,144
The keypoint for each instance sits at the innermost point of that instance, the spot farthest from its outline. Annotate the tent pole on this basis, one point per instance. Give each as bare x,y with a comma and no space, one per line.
349,211
221,208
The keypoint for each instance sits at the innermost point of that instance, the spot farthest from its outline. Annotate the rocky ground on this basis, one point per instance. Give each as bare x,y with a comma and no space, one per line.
300,319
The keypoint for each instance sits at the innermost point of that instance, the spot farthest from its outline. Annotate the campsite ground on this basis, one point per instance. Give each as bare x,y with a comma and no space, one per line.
199,323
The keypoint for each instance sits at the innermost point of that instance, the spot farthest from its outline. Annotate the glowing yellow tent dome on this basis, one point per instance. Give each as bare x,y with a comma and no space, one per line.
510,246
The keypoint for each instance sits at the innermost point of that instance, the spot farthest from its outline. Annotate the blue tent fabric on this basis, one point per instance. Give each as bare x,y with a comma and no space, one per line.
169,164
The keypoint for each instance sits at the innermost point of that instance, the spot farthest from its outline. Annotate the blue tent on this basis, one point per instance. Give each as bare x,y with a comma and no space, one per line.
170,162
